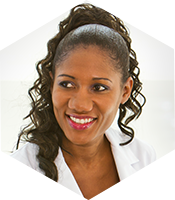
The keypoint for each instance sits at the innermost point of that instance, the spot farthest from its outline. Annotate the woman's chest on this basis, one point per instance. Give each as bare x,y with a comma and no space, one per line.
94,181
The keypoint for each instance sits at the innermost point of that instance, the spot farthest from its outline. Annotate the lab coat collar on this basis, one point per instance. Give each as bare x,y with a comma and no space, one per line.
123,155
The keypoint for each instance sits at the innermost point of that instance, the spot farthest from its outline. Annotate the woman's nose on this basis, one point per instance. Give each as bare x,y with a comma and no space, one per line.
81,102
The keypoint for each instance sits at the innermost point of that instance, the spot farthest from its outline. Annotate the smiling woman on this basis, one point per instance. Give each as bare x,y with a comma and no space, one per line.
89,74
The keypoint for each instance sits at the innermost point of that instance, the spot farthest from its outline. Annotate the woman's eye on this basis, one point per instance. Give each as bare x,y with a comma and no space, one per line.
100,88
66,84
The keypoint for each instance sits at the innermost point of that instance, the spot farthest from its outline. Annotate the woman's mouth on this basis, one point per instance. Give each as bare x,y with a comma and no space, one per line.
80,123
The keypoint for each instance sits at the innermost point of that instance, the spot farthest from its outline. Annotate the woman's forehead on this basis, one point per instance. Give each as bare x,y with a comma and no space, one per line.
89,61
90,55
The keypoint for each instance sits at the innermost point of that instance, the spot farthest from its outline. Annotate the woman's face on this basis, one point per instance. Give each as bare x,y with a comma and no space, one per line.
86,94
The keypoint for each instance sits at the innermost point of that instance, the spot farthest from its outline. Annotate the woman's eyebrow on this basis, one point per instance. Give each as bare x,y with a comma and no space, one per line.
66,76
96,78
100,78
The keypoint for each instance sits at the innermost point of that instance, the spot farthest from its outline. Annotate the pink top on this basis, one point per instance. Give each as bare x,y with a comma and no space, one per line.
121,195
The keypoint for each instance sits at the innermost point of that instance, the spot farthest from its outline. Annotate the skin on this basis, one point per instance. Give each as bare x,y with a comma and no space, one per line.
87,85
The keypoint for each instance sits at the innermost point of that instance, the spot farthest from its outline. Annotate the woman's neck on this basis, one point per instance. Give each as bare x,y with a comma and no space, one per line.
85,155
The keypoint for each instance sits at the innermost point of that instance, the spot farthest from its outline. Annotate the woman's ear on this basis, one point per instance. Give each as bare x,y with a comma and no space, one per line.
127,88
51,86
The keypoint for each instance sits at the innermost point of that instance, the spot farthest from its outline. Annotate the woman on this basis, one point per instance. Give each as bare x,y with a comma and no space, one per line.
89,74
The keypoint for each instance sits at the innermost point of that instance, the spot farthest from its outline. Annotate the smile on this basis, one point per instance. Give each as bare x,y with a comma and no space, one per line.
80,123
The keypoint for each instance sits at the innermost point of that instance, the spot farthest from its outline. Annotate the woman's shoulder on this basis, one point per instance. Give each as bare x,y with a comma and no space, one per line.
142,150
21,173
26,152
27,155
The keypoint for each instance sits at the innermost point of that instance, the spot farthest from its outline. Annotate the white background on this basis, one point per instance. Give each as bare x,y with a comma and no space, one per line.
17,62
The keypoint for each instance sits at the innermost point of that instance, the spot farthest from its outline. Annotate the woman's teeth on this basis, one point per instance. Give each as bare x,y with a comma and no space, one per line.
81,121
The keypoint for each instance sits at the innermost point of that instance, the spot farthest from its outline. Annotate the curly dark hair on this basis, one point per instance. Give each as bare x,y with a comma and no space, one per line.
44,129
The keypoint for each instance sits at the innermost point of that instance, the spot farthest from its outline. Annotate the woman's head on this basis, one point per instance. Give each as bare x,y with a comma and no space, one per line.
87,25
74,24
88,57
86,94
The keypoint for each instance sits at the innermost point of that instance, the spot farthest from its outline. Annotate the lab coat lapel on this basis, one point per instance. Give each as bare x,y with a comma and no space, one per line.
123,156
66,177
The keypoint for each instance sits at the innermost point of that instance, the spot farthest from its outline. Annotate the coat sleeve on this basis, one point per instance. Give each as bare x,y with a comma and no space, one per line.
11,190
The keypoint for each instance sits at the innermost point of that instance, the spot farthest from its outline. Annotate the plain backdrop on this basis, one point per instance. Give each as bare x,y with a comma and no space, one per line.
156,124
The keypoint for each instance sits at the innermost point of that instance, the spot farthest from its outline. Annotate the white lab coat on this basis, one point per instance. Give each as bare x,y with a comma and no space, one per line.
136,164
